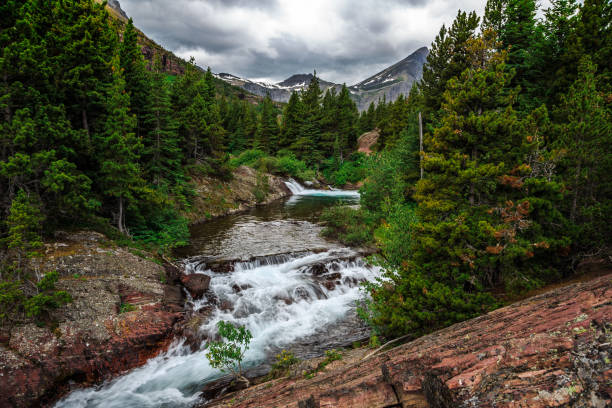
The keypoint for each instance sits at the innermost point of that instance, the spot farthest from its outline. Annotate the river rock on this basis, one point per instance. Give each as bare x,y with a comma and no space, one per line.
88,340
196,284
551,350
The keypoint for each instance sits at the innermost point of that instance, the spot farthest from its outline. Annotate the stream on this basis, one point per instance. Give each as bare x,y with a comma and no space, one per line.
291,288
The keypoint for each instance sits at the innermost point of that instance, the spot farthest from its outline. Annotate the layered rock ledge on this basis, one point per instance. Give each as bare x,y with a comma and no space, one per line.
552,350
216,198
122,314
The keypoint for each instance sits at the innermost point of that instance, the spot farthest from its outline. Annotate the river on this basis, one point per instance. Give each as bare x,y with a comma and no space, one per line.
291,288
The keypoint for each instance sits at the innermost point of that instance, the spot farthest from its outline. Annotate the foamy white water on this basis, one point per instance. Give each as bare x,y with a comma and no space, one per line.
298,190
282,299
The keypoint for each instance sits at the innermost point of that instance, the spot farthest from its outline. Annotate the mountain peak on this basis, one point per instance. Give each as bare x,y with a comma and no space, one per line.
409,69
297,80
114,4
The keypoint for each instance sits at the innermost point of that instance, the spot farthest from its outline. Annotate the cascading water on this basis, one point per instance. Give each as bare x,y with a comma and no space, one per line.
298,190
281,298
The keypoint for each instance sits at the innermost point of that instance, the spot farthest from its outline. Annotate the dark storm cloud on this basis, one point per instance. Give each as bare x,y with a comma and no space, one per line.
344,40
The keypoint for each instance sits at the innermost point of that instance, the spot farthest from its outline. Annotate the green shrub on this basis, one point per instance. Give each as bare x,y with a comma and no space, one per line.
126,307
11,296
330,356
284,164
227,354
164,229
267,164
48,298
393,236
262,188
247,158
350,226
284,361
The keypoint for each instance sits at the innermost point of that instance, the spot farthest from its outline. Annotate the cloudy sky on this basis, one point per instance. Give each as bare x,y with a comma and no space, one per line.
344,40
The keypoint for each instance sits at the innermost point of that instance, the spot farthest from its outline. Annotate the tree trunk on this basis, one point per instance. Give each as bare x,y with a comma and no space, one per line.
120,218
472,184
85,122
421,144
575,200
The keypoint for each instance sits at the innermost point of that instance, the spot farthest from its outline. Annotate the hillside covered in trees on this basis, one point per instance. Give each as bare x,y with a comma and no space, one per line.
95,136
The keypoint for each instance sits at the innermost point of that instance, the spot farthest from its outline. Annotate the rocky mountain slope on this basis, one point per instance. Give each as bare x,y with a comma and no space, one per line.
172,64
280,92
551,350
389,83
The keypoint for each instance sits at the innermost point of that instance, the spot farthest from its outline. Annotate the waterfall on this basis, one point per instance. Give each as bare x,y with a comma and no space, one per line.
279,298
298,190
295,187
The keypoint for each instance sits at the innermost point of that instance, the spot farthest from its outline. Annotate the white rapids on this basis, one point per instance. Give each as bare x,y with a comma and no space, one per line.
279,298
298,190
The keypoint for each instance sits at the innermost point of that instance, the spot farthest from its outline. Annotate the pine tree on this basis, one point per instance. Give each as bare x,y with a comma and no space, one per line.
83,47
524,42
307,147
24,231
292,119
558,27
329,123
593,36
494,16
119,150
447,59
135,73
347,118
585,140
161,155
266,138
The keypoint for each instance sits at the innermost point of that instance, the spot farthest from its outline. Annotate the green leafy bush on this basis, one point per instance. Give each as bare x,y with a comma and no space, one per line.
284,361
330,356
353,170
350,226
48,298
247,158
284,164
262,188
126,307
228,354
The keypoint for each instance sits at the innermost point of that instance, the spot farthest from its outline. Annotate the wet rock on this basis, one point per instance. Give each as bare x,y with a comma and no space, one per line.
549,350
191,328
221,387
286,299
196,284
174,298
238,289
173,274
318,269
226,306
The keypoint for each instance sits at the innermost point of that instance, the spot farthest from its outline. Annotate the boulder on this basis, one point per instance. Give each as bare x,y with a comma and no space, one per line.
196,284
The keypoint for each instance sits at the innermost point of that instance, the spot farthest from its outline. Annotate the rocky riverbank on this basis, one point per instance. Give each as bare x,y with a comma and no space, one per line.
122,314
247,189
550,350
